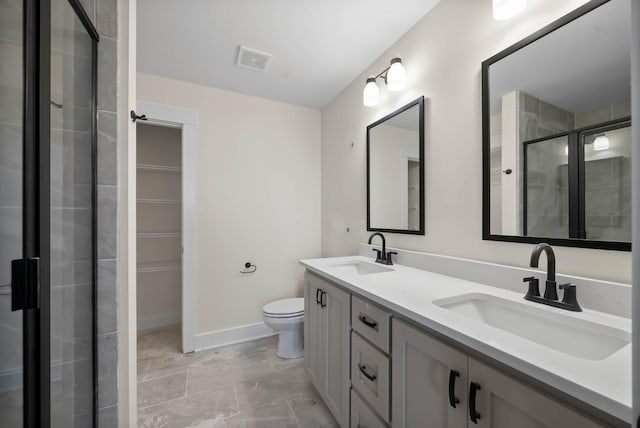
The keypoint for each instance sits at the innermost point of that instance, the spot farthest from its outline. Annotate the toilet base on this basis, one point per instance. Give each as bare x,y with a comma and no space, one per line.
290,344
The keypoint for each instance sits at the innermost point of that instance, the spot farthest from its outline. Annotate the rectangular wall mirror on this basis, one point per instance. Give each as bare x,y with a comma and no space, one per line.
557,133
395,171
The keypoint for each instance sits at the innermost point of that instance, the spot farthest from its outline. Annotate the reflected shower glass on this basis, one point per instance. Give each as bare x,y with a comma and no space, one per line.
607,185
11,170
71,219
546,188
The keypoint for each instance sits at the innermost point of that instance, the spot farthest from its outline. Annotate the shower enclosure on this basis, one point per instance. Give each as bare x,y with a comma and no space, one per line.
47,214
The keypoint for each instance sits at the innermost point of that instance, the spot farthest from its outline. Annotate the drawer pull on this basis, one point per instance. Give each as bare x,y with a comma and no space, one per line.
452,388
473,414
363,370
363,319
317,296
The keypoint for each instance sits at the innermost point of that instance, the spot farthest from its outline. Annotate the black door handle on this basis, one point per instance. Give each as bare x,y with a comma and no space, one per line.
473,414
322,301
452,388
317,296
363,319
363,370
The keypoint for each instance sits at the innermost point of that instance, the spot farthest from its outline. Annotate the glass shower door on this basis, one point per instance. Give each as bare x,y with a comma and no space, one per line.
11,172
71,237
47,214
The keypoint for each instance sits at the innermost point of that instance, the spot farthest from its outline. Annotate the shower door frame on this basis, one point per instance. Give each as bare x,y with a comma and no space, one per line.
37,206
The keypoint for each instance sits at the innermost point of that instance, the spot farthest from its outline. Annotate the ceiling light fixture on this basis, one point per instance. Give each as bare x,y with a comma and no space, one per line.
601,143
394,76
505,9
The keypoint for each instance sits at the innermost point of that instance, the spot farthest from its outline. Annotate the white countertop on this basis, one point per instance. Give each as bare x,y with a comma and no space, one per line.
604,384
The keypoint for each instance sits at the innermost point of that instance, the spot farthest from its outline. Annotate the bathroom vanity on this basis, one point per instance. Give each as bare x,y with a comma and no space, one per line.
397,346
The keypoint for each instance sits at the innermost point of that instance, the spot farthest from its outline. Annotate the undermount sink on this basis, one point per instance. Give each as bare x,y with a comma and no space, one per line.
360,268
569,335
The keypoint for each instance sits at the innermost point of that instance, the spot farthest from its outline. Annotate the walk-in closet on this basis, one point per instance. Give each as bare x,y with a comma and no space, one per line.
159,238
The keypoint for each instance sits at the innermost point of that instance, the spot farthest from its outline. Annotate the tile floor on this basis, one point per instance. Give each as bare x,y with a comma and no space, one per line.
242,386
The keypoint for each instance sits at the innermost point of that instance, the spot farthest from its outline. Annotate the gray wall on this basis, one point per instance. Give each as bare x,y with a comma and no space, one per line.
104,16
635,108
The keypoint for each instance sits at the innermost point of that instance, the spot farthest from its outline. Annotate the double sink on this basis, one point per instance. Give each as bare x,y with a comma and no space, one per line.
549,327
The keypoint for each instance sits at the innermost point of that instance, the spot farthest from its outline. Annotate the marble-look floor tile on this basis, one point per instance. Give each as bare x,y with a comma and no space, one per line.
208,409
142,367
161,389
274,386
227,372
311,412
273,415
272,392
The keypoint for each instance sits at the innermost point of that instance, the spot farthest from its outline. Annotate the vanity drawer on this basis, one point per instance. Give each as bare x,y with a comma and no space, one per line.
370,375
371,322
361,415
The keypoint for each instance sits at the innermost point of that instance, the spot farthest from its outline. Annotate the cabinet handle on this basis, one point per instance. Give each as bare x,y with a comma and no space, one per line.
473,414
363,319
317,296
453,374
322,300
363,370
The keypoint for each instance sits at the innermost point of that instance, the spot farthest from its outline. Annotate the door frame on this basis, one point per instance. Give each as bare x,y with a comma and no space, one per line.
187,121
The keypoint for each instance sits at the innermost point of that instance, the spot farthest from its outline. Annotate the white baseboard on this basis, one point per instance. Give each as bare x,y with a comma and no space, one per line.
146,323
230,336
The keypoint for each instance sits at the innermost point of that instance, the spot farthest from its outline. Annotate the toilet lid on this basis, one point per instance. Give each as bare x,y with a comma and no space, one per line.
285,307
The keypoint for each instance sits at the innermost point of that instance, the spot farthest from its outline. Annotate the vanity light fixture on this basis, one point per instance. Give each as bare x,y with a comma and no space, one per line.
394,76
601,143
505,9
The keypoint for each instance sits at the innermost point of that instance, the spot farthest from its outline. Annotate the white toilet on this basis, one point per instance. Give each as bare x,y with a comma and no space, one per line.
287,317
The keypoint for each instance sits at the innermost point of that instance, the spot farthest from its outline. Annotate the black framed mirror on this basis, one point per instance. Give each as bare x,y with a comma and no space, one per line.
395,171
556,133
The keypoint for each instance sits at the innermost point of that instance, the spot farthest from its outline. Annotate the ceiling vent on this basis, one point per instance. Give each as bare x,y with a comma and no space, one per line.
252,59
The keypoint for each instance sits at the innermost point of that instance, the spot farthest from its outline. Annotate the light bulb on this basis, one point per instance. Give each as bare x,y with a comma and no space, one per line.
505,9
371,93
396,75
601,143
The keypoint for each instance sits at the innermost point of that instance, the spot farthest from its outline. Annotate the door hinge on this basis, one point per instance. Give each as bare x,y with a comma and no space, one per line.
25,284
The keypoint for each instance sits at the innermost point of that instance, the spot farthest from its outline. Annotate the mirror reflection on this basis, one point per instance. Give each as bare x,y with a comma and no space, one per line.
395,197
557,120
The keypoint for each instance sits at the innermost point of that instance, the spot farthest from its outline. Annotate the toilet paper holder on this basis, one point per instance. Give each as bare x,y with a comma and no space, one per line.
249,268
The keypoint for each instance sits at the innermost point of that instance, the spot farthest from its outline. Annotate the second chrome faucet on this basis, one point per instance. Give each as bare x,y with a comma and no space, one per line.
569,299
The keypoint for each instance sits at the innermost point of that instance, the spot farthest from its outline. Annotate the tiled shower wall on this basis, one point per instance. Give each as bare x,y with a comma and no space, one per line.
104,16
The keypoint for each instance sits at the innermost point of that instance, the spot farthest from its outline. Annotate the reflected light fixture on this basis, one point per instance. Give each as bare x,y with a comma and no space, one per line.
394,76
505,9
601,143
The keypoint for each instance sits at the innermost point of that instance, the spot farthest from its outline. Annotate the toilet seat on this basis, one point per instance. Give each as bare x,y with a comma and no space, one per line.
285,308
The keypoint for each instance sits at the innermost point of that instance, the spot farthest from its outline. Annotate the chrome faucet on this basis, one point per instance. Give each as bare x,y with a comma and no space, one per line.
569,299
382,256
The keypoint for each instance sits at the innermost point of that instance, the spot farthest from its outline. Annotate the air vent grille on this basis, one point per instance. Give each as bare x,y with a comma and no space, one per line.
253,59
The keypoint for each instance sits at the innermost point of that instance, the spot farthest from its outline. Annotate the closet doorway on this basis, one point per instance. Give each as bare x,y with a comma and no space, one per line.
164,192
159,226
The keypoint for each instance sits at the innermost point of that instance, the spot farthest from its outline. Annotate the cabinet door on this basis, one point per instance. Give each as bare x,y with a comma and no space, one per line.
421,371
503,402
338,326
314,333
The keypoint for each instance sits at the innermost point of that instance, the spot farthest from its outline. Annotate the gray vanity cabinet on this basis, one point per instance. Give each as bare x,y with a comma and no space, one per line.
326,335
420,368
504,402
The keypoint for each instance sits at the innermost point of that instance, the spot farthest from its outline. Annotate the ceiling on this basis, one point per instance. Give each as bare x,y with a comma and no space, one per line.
318,47
580,67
